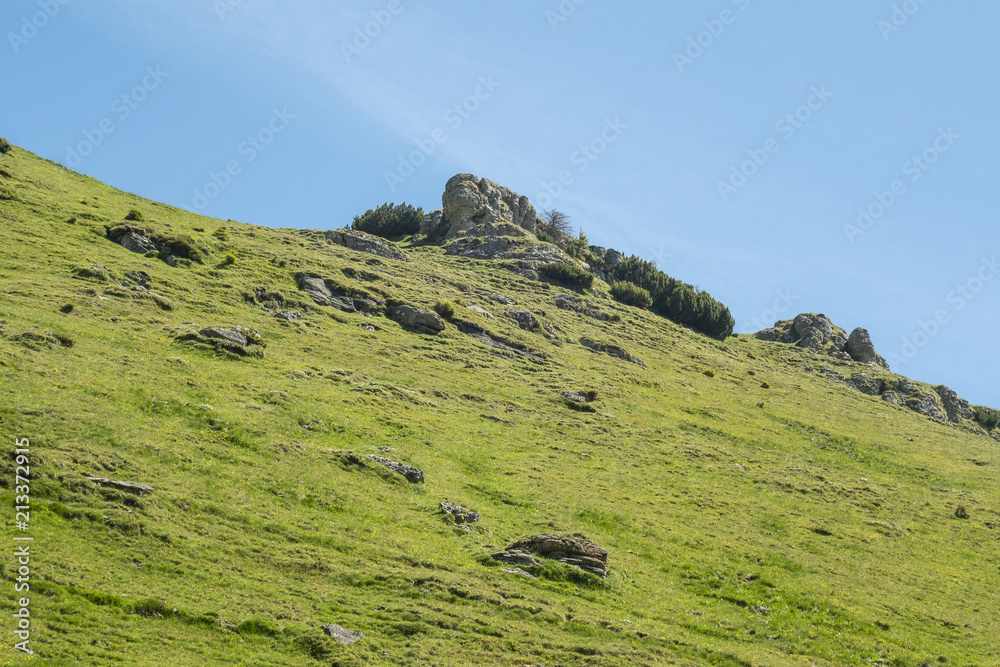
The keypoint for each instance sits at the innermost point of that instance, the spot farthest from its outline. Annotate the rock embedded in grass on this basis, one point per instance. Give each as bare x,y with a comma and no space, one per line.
424,321
412,475
342,635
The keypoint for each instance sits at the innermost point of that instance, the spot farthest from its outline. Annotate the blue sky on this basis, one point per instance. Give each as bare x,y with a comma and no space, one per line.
786,156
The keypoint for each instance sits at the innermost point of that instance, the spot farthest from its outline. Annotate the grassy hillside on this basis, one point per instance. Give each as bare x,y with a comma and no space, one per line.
755,512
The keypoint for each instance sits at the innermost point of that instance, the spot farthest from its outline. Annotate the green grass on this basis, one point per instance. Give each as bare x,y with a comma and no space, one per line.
800,524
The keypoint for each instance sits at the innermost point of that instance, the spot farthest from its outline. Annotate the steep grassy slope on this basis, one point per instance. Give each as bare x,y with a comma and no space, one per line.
755,513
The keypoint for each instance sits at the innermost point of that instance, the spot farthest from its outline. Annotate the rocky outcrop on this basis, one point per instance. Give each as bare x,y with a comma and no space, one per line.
318,291
362,242
613,350
422,320
925,404
495,242
469,201
819,334
136,242
868,385
575,550
412,475
956,408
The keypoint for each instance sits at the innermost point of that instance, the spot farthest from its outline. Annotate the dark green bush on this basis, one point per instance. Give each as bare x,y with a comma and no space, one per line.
390,221
988,418
568,274
135,215
180,246
5,146
631,294
67,308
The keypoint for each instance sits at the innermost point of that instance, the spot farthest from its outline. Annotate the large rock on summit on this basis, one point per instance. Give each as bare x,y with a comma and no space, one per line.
819,334
469,201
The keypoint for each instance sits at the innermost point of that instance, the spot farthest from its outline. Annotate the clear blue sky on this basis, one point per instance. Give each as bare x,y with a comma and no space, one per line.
730,141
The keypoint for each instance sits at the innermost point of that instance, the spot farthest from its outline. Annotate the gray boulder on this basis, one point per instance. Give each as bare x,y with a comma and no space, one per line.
611,258
362,242
229,335
128,487
575,550
342,635
862,350
423,321
412,475
955,407
891,397
136,242
461,514
770,335
318,291
525,320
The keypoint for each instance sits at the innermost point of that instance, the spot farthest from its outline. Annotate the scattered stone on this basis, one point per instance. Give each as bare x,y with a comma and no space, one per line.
580,305
517,570
575,550
128,487
136,242
230,335
461,514
525,320
612,350
424,321
482,311
505,300
342,635
487,338
318,291
362,242
289,315
955,407
413,475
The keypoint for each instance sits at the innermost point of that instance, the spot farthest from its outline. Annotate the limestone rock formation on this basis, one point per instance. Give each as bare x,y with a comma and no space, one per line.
524,319
368,243
423,321
318,291
819,334
469,201
575,550
136,242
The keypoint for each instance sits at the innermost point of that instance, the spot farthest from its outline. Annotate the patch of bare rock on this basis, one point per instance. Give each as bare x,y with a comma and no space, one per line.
575,550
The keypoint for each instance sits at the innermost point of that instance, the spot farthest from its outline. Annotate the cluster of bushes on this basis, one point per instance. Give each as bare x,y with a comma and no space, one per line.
988,418
674,299
5,146
631,294
568,274
390,221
